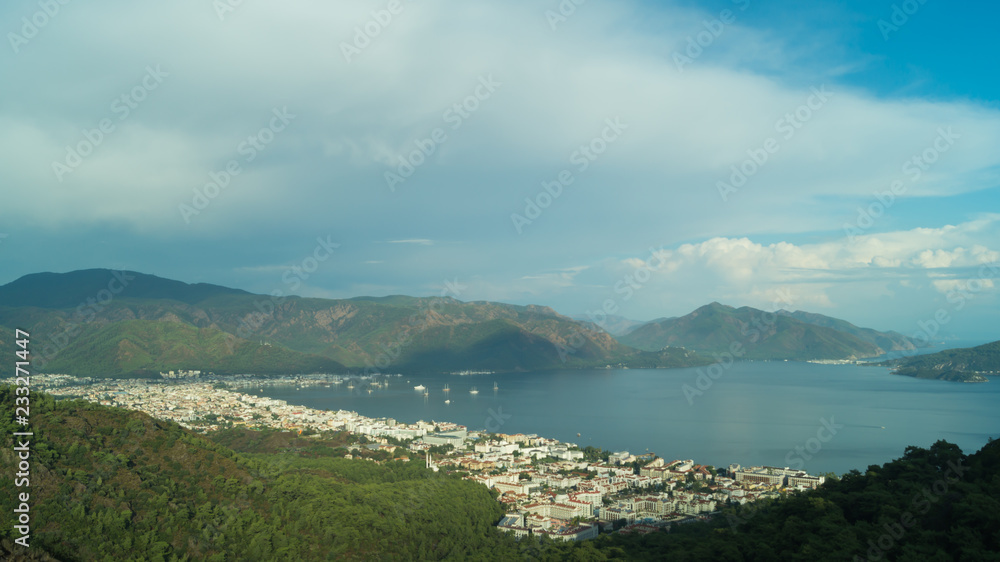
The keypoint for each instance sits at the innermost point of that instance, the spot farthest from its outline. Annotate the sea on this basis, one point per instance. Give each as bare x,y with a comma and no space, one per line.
814,417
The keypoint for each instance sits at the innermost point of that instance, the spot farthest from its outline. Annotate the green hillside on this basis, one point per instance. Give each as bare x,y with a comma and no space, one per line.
973,364
109,484
65,290
396,333
887,341
135,347
714,328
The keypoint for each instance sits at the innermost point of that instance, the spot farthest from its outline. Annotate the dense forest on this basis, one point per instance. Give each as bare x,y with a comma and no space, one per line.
110,484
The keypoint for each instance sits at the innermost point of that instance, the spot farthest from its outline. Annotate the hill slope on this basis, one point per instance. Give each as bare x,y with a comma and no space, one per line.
147,347
112,484
715,327
972,364
887,341
65,290
374,334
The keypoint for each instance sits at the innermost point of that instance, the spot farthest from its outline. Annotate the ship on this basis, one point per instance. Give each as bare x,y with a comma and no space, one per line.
420,387
446,389
473,391
495,387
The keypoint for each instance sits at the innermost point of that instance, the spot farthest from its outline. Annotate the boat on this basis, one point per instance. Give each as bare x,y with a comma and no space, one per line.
495,387
447,401
426,393
473,391
446,389
420,387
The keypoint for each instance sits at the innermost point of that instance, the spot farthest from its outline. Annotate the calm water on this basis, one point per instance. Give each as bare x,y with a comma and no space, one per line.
755,413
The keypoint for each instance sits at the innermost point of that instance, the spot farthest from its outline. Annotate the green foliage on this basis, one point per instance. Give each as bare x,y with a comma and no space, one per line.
109,484
960,365
148,347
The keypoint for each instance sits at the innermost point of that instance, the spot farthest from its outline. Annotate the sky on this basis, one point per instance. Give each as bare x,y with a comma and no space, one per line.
637,158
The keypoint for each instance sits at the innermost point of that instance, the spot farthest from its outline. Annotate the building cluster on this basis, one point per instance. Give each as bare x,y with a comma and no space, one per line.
547,487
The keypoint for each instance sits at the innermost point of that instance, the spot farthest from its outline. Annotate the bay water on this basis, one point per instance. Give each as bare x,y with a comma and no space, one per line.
820,418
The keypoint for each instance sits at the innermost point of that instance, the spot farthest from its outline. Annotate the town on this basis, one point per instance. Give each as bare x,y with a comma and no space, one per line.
548,488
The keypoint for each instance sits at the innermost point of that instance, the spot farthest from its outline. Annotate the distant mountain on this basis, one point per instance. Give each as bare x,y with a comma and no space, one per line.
65,290
970,364
887,341
614,325
713,328
81,325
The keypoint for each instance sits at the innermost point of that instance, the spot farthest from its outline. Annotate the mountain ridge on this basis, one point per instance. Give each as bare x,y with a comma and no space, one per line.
780,335
364,333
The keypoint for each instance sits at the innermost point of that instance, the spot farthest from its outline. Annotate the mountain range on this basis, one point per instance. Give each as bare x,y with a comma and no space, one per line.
713,329
103,322
100,322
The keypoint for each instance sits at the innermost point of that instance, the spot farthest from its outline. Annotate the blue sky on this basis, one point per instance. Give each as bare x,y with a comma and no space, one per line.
650,113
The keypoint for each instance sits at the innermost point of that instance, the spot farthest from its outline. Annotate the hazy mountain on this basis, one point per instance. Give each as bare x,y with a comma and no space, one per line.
715,327
888,341
65,290
970,364
612,324
67,313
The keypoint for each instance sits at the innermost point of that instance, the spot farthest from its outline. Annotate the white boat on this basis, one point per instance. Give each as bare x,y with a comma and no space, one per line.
447,401
473,391
420,387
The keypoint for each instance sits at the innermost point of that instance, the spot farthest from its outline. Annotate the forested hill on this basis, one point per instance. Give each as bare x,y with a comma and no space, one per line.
110,484
973,364
797,336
